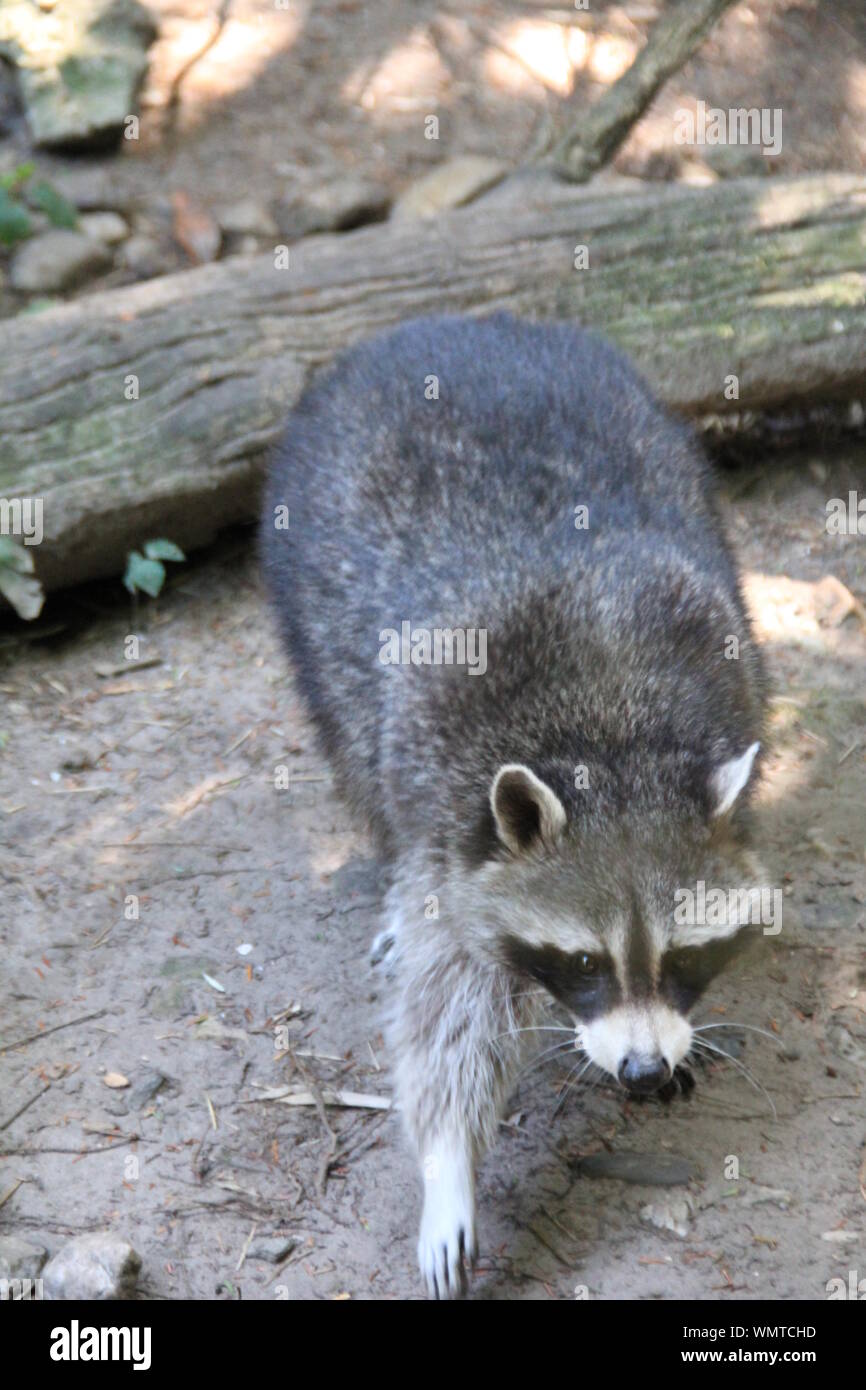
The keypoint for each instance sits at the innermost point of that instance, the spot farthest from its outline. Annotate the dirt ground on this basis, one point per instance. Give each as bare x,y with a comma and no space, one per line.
145,842
158,785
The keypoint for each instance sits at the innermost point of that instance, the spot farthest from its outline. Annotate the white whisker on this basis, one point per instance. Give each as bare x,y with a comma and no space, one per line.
704,1027
718,1052
558,1049
543,1028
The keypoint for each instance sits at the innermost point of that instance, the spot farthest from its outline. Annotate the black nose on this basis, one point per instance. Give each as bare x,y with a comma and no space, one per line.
644,1074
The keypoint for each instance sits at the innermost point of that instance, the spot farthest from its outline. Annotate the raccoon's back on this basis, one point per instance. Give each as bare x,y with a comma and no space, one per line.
444,460
435,475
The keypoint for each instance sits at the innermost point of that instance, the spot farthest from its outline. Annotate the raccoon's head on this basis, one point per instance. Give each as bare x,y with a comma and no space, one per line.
623,917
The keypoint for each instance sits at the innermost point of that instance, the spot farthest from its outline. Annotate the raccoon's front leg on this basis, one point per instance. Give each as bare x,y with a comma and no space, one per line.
457,1054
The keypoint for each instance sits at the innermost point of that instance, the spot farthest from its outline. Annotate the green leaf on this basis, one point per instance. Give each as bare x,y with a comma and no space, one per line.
14,222
146,575
17,176
163,550
57,209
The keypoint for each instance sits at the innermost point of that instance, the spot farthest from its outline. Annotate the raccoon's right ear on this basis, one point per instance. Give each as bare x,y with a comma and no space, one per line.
527,813
728,781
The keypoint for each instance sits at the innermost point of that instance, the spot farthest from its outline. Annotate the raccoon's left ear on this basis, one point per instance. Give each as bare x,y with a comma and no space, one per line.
526,811
728,780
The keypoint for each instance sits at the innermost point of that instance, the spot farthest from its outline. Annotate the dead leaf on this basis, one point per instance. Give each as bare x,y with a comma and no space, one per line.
195,231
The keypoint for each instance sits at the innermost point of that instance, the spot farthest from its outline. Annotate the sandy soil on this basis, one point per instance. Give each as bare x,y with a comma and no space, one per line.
157,785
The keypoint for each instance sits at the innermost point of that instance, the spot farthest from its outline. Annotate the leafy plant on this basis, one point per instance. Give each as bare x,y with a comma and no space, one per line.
17,177
17,194
15,222
59,211
146,573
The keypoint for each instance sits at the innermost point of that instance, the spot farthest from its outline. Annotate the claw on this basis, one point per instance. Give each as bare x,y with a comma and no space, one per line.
447,1246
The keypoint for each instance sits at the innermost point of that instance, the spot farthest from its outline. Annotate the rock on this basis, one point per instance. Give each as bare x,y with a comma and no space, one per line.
20,1259
844,1044
56,260
145,1088
144,256
107,227
450,185
673,1215
243,246
90,187
246,218
97,1266
80,64
275,1249
656,1170
333,207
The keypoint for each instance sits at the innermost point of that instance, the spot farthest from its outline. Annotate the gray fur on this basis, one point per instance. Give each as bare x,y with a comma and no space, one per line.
605,652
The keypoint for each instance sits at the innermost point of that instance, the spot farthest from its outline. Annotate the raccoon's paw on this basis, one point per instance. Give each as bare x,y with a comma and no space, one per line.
383,950
447,1242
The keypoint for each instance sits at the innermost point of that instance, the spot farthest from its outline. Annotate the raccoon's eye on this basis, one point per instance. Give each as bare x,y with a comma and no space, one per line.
587,964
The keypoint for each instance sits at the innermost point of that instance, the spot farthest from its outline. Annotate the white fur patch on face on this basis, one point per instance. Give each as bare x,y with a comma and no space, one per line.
548,929
645,1031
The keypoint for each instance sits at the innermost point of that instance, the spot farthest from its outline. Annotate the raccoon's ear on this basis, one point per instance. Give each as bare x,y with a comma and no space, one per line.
728,780
526,811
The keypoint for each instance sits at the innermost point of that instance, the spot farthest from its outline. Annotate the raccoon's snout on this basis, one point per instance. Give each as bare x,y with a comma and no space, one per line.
641,1046
644,1075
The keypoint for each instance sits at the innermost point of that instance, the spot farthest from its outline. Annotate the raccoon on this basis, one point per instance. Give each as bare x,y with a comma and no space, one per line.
516,621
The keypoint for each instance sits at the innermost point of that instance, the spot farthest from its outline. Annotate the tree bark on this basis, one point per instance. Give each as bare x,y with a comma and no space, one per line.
758,279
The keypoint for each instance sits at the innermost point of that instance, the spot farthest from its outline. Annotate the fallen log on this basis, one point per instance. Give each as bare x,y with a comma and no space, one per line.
147,411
